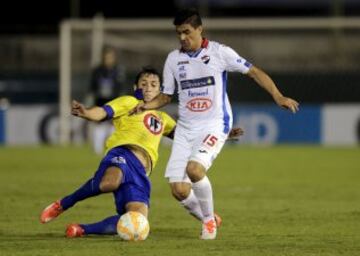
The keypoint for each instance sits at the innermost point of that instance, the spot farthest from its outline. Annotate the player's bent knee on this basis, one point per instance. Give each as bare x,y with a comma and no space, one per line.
180,190
137,207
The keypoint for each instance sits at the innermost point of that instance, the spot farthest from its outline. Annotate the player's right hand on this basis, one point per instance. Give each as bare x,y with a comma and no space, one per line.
235,133
77,109
138,109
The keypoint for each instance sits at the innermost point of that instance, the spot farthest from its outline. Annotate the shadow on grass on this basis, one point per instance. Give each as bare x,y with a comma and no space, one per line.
183,234
52,236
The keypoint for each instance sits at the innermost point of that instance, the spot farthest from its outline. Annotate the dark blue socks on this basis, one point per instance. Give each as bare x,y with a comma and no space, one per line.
104,227
89,189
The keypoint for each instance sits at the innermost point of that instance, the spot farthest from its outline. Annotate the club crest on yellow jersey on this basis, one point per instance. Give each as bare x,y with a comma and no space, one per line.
153,123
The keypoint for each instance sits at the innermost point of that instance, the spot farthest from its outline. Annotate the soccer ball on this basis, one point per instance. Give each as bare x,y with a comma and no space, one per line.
133,226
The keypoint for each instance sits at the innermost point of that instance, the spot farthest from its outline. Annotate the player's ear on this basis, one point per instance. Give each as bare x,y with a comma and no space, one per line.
135,87
200,28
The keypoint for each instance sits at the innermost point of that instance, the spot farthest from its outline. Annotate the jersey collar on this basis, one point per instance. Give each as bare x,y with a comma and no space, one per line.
193,54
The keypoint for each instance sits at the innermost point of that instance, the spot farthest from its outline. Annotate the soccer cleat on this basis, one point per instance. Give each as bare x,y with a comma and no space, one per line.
218,220
74,230
51,212
208,230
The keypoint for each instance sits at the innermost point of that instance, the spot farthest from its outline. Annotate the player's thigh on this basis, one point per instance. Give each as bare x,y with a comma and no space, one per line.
180,153
207,146
111,179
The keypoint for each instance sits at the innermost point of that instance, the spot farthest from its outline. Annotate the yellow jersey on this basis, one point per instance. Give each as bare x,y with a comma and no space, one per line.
144,130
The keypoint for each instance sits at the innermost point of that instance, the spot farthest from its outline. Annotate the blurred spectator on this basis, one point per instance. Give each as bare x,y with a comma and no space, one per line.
107,83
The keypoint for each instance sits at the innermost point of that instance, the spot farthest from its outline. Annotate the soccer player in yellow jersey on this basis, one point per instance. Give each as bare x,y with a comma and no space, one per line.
131,154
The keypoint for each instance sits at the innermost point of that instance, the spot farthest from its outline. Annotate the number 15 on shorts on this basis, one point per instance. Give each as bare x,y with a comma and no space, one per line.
210,140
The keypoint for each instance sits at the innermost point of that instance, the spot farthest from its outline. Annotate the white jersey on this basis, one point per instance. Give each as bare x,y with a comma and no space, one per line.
201,79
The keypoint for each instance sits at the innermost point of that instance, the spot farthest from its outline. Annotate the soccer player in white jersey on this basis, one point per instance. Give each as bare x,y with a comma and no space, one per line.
199,69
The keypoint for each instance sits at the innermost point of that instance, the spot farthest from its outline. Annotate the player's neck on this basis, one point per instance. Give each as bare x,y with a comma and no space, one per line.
197,46
202,43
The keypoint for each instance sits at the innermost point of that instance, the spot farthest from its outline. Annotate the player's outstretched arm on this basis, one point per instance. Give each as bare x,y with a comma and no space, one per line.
92,114
268,84
158,102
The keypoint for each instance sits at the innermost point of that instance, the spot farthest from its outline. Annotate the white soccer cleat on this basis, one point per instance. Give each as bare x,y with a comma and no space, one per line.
208,230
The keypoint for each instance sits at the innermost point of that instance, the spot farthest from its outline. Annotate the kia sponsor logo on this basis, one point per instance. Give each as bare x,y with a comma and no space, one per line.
199,104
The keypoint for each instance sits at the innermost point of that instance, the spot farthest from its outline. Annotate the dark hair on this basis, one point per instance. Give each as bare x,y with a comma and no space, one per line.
188,16
147,70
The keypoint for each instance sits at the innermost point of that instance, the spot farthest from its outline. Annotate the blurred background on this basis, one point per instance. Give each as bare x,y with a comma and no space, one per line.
310,48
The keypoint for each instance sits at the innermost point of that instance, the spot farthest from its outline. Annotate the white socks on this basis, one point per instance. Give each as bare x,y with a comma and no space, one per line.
191,203
203,192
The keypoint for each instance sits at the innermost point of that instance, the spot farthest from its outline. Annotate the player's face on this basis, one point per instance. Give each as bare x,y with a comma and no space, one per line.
190,38
109,59
150,85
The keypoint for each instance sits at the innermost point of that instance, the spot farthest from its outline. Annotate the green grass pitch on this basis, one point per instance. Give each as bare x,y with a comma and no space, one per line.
284,200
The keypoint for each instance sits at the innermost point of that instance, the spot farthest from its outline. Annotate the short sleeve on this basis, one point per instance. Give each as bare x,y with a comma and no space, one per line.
169,123
168,77
119,106
233,61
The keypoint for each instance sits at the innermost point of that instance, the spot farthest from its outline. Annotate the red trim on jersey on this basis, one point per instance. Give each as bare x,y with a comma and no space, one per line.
205,43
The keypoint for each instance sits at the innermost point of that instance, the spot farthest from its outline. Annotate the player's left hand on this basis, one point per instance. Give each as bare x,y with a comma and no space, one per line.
288,103
235,133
